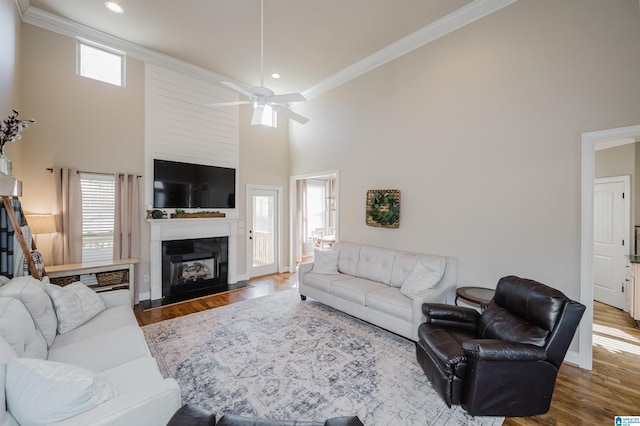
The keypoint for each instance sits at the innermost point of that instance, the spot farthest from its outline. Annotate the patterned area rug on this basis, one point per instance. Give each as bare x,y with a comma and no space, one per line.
279,357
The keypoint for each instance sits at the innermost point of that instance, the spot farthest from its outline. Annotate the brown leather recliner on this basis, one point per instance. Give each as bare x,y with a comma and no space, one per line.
503,362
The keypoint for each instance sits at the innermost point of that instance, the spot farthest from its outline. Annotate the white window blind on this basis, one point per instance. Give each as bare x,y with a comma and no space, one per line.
98,209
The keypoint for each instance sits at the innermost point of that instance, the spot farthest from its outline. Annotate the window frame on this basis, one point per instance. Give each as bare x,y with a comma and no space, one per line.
122,55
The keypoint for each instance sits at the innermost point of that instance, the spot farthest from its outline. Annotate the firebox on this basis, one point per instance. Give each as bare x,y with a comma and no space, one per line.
194,266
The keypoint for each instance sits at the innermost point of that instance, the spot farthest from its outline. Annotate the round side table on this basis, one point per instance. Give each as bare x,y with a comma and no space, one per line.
477,295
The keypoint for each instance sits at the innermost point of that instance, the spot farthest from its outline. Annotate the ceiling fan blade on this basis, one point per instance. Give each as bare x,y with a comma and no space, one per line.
287,97
238,88
226,104
292,115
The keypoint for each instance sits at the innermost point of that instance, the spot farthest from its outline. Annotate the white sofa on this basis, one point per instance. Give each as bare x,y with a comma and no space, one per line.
368,281
110,346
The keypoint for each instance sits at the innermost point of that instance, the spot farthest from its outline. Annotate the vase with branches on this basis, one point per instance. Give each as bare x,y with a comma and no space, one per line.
10,130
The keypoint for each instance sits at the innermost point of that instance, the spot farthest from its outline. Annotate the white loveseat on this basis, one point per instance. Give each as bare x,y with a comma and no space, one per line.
368,281
110,347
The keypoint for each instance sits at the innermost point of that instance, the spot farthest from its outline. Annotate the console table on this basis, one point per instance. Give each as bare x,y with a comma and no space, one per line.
90,274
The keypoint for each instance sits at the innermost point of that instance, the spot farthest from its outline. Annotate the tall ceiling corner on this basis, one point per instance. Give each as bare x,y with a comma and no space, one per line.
23,5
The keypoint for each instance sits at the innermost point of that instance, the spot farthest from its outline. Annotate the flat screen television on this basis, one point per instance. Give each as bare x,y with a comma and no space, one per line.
186,185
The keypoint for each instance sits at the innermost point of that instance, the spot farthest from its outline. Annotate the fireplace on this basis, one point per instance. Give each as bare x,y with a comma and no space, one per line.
194,266
175,230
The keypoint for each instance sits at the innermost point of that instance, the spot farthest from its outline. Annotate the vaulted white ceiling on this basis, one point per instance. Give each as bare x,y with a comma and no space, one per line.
314,44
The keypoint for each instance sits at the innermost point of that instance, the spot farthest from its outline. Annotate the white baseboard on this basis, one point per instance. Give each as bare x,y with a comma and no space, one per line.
572,357
145,296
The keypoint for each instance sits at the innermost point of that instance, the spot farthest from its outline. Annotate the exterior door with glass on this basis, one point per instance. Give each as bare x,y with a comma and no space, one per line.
263,233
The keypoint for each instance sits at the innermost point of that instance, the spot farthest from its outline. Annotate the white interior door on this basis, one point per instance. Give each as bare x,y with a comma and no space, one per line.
263,232
611,239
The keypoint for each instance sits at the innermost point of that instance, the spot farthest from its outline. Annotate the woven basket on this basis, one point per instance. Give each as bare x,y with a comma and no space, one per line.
62,281
110,278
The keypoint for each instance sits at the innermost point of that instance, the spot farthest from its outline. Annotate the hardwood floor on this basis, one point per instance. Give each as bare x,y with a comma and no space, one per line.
581,397
260,286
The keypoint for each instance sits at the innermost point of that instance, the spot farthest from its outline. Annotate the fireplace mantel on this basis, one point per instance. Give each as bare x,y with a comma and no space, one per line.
180,229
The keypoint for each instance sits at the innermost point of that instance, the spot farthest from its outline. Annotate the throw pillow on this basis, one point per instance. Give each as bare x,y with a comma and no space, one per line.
19,330
31,293
421,278
75,304
325,262
42,392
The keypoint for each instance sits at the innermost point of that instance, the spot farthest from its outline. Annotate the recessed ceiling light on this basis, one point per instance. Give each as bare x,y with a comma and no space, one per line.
275,75
114,7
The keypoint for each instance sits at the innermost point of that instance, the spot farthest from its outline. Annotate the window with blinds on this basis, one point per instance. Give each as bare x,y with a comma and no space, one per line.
98,209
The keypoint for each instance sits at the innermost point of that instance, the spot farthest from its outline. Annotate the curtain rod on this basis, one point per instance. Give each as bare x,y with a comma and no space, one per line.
94,173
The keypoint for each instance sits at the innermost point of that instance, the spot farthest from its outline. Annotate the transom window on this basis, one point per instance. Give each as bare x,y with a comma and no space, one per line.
100,63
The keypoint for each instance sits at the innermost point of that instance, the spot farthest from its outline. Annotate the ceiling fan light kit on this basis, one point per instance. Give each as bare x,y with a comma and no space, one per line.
263,115
266,104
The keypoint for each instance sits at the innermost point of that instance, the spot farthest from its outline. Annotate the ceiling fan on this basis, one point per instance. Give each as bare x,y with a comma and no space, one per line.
263,98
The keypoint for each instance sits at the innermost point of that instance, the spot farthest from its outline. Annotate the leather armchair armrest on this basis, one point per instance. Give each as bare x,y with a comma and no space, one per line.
440,311
450,316
500,350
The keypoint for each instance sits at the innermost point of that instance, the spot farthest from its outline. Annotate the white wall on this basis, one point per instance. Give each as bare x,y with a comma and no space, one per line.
10,25
617,161
481,132
620,161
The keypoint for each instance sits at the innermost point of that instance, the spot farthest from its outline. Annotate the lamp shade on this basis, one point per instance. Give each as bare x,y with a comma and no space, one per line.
41,223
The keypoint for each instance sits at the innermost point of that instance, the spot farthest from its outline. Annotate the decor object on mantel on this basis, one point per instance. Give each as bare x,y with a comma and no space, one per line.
158,214
10,132
181,214
383,208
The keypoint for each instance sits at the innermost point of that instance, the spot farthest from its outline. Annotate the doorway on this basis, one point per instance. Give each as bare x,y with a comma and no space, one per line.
263,235
314,214
590,140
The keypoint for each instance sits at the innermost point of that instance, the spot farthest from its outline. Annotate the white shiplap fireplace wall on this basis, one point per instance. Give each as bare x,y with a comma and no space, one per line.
180,127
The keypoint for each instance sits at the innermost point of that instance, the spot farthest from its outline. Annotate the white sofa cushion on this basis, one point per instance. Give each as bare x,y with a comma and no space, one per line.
356,289
42,392
18,329
30,292
6,353
75,304
132,375
348,256
390,301
325,262
421,278
105,322
103,351
323,281
375,264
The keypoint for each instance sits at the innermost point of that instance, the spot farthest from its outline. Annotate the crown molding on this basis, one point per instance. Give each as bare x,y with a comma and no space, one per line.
473,11
23,5
443,26
51,22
